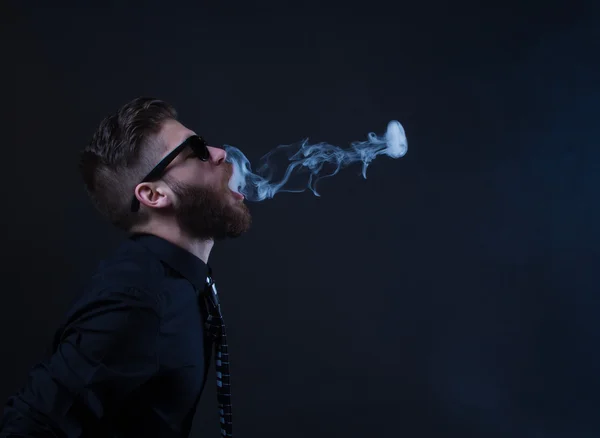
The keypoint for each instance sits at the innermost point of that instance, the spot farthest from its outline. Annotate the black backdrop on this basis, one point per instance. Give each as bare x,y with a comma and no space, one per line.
452,293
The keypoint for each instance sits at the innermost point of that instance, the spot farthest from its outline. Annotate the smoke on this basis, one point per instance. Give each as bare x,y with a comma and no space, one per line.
305,164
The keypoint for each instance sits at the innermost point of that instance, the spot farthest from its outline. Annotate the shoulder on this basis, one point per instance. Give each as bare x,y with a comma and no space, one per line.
130,264
129,273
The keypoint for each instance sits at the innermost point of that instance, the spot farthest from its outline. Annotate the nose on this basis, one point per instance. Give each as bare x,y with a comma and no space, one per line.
217,155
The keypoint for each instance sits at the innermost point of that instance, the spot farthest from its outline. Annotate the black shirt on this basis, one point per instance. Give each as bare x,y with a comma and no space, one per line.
130,359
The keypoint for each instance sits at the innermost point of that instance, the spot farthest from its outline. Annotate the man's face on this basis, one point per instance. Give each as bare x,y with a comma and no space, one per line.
203,205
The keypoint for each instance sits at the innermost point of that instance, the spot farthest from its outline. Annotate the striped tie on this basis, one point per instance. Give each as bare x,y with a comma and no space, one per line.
216,329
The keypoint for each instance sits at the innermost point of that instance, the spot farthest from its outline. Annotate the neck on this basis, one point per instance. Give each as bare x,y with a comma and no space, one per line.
199,248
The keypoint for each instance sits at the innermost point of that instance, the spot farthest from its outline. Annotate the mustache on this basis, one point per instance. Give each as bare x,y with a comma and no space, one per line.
228,172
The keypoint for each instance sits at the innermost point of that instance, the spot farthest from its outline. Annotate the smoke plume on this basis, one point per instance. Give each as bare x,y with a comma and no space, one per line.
302,164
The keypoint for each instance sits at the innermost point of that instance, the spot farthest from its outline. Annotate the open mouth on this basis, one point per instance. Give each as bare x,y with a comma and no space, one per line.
237,195
229,182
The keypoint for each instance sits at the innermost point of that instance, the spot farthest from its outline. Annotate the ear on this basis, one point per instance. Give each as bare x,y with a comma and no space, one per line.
154,194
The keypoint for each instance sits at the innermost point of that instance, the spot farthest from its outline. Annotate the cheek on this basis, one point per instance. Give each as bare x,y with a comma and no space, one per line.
195,175
203,174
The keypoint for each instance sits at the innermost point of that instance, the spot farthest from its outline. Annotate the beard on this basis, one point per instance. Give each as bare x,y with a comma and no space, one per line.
208,213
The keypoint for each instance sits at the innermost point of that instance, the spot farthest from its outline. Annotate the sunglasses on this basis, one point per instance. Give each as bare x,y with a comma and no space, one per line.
199,149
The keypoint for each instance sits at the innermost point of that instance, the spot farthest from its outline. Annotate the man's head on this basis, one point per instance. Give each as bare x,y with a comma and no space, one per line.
191,193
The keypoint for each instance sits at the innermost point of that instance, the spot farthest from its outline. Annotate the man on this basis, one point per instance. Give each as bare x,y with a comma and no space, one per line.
132,356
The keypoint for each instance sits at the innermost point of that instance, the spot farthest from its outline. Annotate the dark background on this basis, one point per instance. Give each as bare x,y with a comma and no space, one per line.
452,293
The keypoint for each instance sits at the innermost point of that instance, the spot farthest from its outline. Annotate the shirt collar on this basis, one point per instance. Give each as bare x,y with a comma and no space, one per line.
179,259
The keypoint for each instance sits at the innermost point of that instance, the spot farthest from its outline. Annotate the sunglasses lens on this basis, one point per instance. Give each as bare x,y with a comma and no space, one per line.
198,145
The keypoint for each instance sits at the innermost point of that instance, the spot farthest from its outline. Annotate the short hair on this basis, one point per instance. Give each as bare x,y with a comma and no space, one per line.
123,149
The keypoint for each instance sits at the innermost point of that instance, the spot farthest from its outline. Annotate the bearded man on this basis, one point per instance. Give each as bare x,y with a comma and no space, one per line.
131,358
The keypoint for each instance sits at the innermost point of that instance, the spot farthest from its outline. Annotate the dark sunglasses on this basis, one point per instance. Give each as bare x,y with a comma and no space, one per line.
200,151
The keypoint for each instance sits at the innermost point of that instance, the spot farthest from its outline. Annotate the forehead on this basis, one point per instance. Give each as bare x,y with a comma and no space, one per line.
172,134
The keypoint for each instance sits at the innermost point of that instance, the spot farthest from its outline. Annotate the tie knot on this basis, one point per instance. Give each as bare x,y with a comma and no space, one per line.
214,320
211,290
